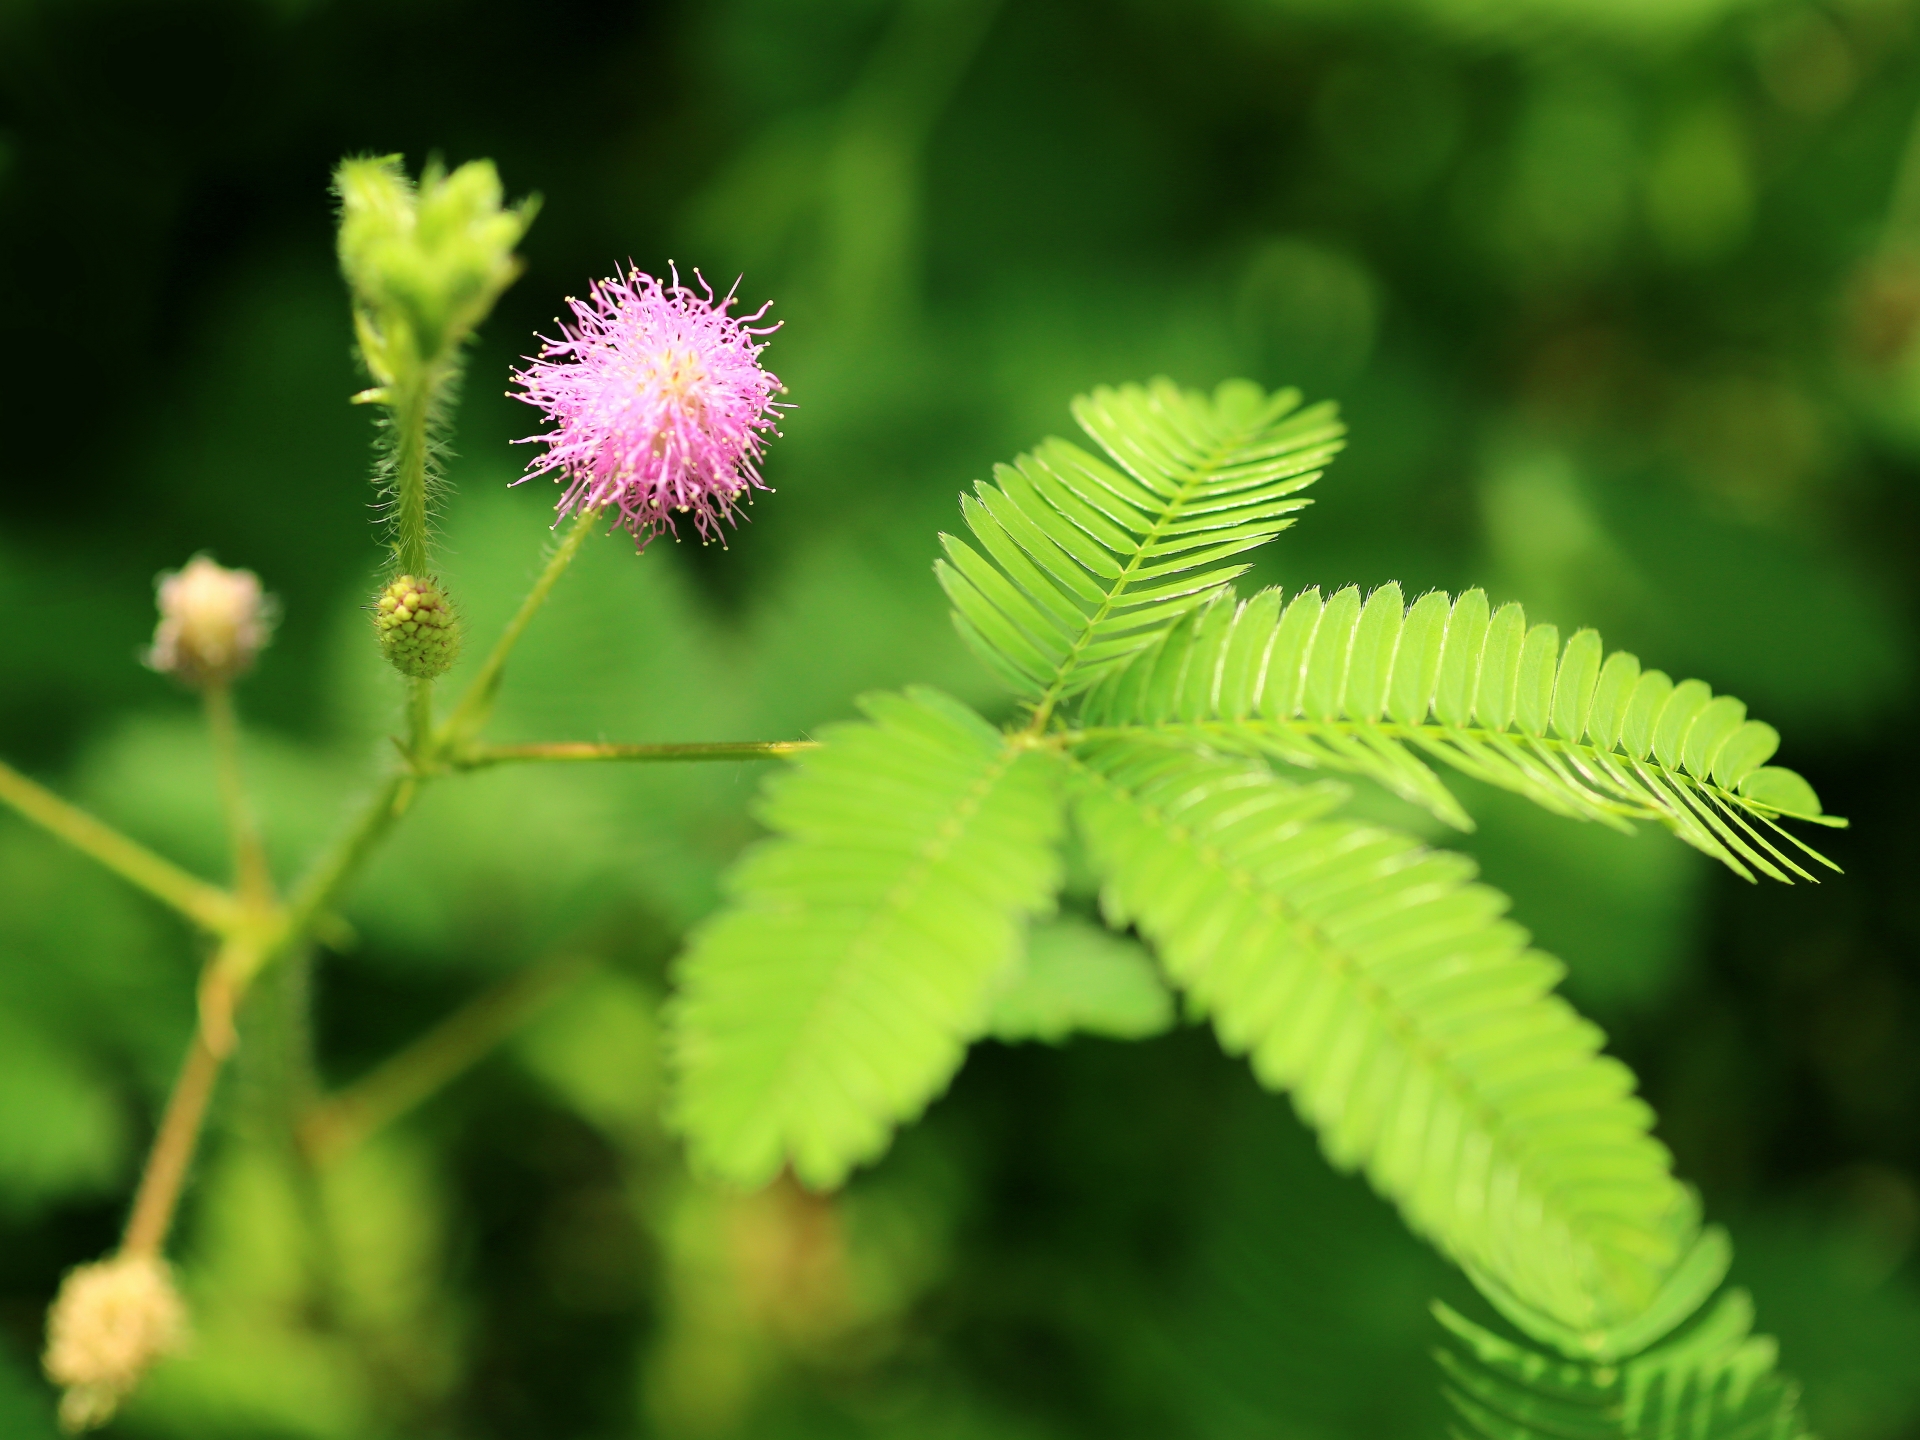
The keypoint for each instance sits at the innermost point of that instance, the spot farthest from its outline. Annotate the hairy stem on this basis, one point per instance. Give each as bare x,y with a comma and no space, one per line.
294,1089
410,415
251,875
323,884
397,1084
480,756
472,710
208,906
411,419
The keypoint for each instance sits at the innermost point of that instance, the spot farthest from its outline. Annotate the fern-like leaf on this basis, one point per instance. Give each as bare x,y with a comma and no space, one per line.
1087,561
1715,1381
861,951
1412,1024
1376,687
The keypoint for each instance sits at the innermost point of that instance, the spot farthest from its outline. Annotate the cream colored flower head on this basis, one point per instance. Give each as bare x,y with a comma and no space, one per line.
108,1325
213,622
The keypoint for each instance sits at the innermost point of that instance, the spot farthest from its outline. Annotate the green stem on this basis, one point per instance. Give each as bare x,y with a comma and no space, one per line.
420,719
401,1082
322,885
252,877
208,906
471,712
479,756
410,451
295,1079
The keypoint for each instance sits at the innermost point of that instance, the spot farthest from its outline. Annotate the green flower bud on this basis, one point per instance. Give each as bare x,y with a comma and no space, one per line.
425,263
419,633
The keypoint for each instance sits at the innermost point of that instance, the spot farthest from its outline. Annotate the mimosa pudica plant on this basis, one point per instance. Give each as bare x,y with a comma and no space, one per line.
1191,748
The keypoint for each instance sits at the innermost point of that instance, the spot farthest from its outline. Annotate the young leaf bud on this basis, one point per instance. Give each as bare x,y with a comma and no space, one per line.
109,1323
425,263
213,622
419,633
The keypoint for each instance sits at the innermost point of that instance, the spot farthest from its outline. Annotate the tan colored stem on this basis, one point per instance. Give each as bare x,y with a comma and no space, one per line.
179,1134
251,875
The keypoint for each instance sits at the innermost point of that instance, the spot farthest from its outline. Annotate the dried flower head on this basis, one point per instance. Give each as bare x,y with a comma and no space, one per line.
213,622
109,1323
658,401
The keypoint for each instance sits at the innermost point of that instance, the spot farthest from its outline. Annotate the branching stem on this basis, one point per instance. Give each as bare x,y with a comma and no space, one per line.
256,929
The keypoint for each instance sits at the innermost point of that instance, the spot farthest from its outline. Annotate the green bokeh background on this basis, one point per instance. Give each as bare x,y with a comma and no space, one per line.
1622,299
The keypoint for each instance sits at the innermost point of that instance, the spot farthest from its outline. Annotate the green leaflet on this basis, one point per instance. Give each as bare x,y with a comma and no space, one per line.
837,993
1378,688
1413,1026
1080,563
1715,1381
1081,978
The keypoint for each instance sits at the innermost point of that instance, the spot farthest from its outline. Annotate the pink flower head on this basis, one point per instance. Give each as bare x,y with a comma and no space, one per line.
658,401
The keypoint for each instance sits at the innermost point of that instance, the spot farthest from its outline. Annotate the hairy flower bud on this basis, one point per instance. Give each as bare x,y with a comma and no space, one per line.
419,633
109,1323
659,404
213,622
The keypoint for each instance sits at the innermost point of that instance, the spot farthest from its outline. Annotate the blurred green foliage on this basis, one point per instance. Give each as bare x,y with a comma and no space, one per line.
1622,301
